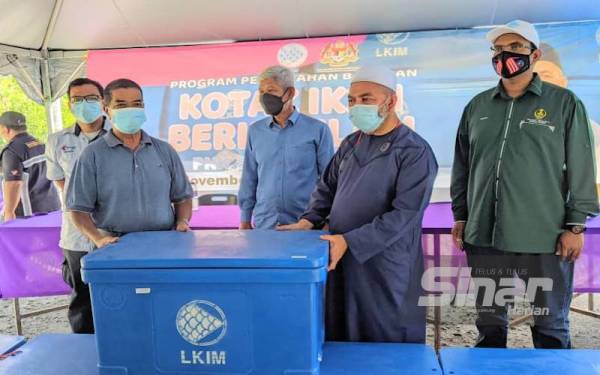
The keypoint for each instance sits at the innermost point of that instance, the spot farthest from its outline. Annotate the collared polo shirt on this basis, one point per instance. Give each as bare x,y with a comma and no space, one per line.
128,191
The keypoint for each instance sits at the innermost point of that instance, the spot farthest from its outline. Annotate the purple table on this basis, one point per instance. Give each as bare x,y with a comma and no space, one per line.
30,259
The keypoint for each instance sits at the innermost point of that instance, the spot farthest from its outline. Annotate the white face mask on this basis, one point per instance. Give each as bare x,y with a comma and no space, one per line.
368,117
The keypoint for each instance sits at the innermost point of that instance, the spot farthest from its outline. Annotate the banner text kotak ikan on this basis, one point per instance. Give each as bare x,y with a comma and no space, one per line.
214,111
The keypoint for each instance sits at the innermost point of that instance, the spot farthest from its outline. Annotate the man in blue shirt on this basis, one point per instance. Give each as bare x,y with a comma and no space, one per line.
285,155
128,181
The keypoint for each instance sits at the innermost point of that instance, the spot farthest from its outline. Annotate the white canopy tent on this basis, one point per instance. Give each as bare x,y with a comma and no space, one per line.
43,43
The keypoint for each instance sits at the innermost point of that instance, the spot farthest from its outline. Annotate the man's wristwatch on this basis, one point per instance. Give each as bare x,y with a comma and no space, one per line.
576,229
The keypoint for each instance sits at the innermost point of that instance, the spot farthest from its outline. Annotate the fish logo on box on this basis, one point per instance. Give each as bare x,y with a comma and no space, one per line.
202,323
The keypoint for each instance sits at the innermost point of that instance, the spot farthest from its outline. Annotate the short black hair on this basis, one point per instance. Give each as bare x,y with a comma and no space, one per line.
85,81
121,83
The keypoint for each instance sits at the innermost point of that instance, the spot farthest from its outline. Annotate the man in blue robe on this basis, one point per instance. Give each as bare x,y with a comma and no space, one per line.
373,195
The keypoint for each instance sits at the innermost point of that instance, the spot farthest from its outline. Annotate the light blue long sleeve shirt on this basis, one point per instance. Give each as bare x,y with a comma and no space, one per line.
281,169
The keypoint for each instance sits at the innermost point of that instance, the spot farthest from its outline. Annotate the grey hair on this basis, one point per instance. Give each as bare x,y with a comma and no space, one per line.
280,74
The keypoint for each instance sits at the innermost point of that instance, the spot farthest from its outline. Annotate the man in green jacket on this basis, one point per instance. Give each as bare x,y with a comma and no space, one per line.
523,185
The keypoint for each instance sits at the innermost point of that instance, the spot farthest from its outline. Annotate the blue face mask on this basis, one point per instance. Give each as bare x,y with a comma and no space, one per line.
85,112
366,117
128,120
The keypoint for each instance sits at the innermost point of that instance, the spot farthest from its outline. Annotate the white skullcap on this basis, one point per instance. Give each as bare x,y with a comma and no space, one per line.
376,73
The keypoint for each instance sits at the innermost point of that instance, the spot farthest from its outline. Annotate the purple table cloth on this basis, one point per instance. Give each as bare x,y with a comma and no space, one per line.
30,259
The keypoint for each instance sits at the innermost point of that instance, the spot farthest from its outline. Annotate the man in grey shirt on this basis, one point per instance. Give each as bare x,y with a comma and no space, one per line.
62,150
128,181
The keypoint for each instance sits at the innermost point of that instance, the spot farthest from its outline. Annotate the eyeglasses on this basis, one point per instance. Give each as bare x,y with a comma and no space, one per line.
513,47
89,99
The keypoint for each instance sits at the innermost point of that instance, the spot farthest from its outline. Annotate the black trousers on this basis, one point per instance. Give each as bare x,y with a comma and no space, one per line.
551,318
80,306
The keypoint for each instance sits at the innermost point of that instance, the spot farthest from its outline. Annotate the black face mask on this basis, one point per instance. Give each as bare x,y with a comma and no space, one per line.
272,104
510,64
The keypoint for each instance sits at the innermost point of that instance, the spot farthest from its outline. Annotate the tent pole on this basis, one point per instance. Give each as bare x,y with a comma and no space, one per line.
47,91
53,116
51,25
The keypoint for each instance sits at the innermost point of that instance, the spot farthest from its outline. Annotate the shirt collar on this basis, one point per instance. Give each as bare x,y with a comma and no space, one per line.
113,141
290,121
17,137
535,87
76,129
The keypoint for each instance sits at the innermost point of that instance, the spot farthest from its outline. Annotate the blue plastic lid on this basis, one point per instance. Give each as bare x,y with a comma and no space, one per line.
212,249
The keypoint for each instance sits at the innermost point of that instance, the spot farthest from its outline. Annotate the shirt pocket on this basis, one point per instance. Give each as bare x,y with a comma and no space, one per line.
67,157
541,137
301,156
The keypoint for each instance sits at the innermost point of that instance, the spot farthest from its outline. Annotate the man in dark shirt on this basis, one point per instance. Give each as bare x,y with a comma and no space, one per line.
26,190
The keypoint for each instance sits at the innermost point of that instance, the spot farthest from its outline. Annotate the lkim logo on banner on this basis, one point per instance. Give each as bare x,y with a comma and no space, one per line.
392,39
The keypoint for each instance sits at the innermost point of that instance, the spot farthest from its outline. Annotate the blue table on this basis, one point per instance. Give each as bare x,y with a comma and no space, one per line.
378,359
481,361
54,355
76,354
10,343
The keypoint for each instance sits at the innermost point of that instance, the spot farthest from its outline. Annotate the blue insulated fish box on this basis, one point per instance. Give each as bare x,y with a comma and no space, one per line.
209,302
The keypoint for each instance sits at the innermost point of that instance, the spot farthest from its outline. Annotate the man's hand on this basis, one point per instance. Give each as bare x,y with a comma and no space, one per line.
569,246
105,240
182,226
458,234
245,225
337,249
303,224
8,216
12,196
